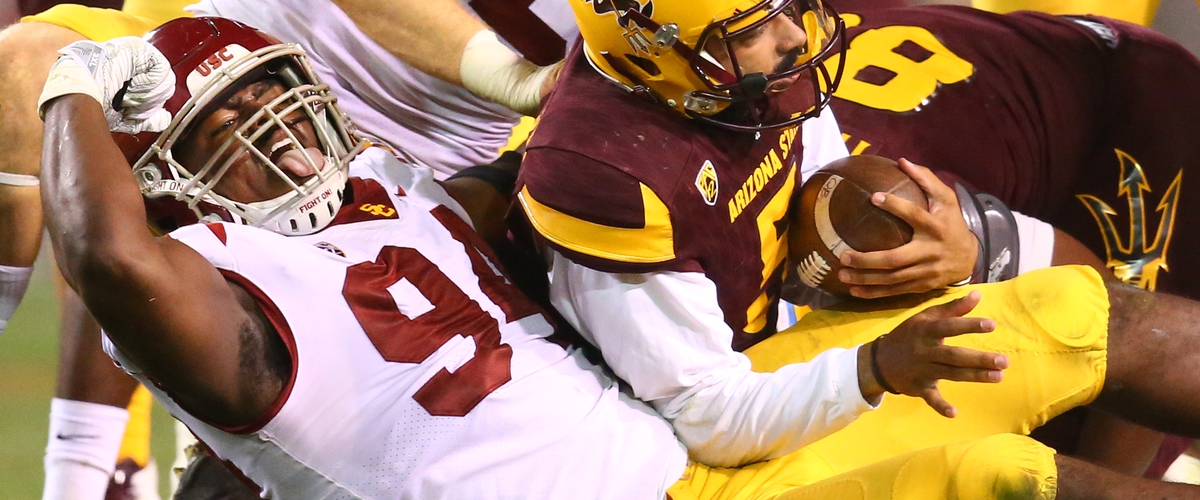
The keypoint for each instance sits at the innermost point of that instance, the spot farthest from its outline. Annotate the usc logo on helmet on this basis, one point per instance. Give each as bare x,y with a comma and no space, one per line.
207,69
214,61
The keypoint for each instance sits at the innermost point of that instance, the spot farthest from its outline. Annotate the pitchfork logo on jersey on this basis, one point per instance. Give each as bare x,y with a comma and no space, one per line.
1138,261
706,183
634,33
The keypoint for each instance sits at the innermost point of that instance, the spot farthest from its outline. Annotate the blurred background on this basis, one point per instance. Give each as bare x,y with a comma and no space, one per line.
28,363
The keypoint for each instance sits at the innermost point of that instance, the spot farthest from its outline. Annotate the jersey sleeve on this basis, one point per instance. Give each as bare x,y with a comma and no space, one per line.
665,335
211,241
823,143
1036,243
597,215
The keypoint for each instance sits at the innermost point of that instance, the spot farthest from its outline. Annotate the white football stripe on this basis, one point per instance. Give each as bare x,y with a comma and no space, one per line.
829,235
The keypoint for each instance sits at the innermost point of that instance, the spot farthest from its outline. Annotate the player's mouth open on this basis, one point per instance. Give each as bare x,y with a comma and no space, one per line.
291,159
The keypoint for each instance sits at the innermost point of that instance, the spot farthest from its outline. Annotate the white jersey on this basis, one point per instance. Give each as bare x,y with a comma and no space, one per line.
440,124
418,370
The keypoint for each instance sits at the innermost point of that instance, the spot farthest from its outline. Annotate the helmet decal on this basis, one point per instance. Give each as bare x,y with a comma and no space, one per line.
208,68
620,7
637,36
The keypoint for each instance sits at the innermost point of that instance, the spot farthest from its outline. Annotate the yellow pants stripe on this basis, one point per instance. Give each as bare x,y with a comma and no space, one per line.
136,443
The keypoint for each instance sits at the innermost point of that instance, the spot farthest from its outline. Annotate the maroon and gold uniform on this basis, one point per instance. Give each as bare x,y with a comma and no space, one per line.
620,185
1087,123
665,240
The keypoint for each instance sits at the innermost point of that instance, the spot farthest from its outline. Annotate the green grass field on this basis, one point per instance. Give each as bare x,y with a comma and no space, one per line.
28,362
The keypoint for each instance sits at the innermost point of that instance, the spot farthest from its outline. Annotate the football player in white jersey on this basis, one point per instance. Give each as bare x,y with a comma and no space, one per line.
469,129
425,75
368,347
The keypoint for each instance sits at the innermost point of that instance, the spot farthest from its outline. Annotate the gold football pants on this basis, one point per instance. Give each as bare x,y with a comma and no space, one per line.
1052,325
137,19
1134,11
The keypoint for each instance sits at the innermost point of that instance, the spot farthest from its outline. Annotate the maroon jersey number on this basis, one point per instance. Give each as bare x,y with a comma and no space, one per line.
401,339
523,29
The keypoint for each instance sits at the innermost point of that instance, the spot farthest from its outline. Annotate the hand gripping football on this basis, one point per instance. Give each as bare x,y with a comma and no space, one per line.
833,213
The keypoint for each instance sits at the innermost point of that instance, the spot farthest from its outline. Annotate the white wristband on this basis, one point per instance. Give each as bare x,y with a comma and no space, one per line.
67,77
494,72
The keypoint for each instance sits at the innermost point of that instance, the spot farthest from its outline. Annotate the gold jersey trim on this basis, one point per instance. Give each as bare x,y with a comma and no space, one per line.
652,243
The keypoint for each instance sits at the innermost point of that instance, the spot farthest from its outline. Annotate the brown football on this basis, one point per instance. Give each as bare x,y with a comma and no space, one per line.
833,213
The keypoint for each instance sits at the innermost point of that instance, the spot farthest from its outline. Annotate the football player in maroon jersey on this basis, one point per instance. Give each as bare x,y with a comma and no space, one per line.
653,190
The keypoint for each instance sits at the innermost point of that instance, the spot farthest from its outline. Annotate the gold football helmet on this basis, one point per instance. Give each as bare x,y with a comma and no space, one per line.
673,50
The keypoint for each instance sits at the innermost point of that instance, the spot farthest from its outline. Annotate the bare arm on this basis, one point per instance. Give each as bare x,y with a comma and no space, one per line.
442,39
429,35
159,301
487,195
485,204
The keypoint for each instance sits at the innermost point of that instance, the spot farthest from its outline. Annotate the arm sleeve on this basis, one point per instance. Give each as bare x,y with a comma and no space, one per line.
823,143
664,334
1037,243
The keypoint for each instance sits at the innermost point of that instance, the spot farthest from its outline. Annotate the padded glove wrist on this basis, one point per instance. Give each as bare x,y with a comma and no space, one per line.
128,77
68,77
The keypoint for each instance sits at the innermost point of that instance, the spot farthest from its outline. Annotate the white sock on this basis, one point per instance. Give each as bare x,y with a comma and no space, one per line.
84,441
13,282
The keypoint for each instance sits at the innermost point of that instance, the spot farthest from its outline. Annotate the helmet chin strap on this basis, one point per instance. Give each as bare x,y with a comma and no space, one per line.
310,214
754,85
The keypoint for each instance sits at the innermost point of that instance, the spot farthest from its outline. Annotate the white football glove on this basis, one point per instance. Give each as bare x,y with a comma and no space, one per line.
129,77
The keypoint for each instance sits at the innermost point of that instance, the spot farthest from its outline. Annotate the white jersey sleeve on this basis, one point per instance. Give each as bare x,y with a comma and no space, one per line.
823,143
1036,243
665,335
